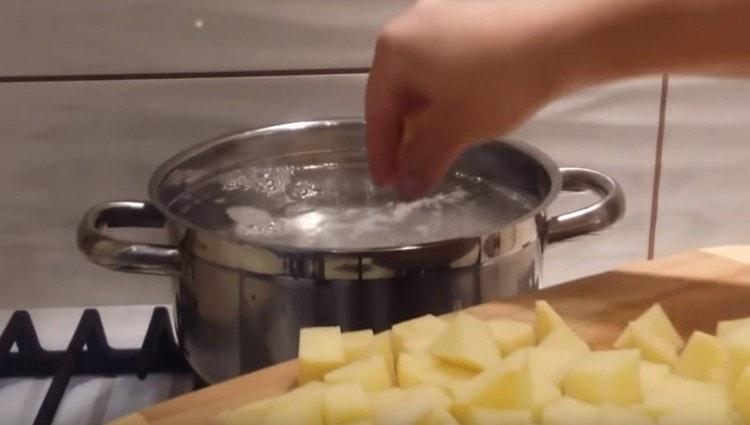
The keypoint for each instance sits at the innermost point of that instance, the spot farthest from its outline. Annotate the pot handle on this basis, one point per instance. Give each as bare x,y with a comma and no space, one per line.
121,255
592,218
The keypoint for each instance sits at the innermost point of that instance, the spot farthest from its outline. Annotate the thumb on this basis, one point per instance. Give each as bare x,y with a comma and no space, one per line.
432,141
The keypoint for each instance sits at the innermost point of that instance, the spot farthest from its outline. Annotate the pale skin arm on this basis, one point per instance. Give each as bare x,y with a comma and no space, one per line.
448,74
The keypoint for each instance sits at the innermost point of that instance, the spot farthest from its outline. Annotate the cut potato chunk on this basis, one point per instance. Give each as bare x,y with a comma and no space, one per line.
303,405
726,327
652,376
423,328
358,344
655,321
704,358
468,343
653,346
346,403
741,394
502,387
372,373
383,346
565,339
423,369
511,335
486,416
321,349
611,415
550,365
678,393
569,411
738,350
415,406
605,377
546,319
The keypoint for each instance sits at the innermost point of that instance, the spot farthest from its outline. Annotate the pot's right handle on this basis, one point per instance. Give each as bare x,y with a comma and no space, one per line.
592,218
121,255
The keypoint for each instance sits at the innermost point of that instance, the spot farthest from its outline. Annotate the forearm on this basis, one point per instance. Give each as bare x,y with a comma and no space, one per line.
603,40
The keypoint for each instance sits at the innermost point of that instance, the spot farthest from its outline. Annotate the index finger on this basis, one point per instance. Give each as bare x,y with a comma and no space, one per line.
383,112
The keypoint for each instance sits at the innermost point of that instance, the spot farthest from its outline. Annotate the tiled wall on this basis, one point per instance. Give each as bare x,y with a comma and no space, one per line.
95,94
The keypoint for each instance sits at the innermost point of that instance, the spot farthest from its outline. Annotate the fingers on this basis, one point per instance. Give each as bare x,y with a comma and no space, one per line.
383,112
432,142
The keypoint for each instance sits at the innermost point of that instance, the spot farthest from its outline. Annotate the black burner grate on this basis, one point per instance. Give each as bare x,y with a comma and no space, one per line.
88,353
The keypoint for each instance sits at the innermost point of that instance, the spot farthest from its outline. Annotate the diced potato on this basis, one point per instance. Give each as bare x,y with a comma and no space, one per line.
738,349
653,346
611,415
422,328
502,387
468,343
400,407
569,411
696,417
654,320
565,339
436,397
321,349
652,376
510,335
741,394
605,377
303,406
683,394
346,403
704,358
423,369
550,364
726,327
440,416
358,344
382,345
249,414
546,319
372,373
487,416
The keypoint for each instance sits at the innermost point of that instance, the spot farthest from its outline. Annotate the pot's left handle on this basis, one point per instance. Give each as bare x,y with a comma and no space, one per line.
121,255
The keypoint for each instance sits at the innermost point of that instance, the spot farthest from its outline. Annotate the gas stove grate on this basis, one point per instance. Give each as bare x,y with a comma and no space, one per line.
88,353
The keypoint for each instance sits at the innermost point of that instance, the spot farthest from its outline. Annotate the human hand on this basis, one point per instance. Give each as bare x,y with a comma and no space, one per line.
448,74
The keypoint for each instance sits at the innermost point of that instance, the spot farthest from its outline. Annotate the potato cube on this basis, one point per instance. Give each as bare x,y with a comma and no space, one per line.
687,395
611,415
421,328
435,396
358,344
345,403
423,369
321,349
372,373
741,394
383,346
501,387
303,406
653,346
546,319
565,339
738,349
652,376
467,342
569,411
440,416
726,327
605,377
488,416
550,364
704,358
511,335
656,321
398,407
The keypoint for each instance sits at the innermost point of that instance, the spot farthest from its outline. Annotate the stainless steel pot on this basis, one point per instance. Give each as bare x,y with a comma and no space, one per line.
240,303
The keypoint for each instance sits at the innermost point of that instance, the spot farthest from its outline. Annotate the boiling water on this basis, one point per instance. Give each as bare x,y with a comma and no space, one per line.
336,206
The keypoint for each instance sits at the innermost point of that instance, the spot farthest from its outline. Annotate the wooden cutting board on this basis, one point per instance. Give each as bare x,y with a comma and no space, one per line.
697,289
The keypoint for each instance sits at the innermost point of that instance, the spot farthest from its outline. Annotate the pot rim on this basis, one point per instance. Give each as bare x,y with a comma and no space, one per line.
158,176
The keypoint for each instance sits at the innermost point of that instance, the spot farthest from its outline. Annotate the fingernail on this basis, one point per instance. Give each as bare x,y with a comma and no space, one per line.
410,187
